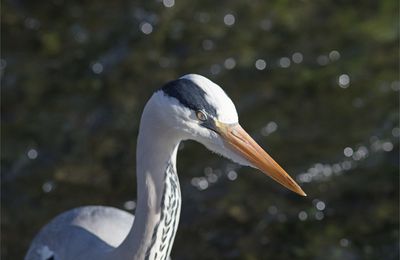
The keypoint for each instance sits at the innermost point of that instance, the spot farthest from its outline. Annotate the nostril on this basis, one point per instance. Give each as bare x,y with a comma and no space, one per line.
236,134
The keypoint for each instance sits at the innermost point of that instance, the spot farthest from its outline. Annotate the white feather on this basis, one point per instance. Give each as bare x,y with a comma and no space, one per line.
217,97
104,233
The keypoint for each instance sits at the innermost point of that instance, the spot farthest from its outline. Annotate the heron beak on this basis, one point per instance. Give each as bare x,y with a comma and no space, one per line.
242,143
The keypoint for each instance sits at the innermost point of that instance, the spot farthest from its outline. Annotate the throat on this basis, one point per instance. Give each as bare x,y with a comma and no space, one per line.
165,229
156,220
158,196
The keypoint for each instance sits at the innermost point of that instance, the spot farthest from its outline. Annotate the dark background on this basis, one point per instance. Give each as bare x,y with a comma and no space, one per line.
315,82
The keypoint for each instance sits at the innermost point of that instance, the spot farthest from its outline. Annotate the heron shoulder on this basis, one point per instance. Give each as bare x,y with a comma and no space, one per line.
97,227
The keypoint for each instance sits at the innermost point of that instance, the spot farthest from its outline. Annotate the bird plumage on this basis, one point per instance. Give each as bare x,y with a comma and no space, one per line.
191,107
73,234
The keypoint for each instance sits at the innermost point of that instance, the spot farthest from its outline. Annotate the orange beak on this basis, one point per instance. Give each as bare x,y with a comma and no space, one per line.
242,143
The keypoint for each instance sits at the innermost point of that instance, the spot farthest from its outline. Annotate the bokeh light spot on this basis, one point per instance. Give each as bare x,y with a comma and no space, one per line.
203,184
32,154
229,63
48,186
97,67
215,69
146,28
320,205
344,242
344,81
303,215
269,128
229,19
387,146
168,3
334,55
232,175
297,57
260,64
348,151
284,62
272,210
130,205
395,85
396,132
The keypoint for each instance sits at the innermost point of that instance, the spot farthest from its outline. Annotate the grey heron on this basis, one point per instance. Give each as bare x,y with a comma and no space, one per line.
191,107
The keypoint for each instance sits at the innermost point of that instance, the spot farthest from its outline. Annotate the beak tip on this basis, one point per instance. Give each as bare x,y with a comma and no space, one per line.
301,193
245,146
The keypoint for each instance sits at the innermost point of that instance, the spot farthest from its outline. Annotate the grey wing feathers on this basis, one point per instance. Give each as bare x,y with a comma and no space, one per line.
74,233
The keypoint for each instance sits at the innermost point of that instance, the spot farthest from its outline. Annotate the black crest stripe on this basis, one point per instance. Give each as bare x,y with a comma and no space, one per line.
189,94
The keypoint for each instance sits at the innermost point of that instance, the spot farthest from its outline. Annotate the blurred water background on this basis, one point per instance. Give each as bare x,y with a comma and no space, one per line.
315,82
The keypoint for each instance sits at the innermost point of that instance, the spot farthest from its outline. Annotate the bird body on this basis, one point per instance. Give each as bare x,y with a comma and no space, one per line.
81,233
191,107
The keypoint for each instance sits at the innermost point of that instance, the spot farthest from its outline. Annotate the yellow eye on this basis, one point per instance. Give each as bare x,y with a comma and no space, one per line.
201,115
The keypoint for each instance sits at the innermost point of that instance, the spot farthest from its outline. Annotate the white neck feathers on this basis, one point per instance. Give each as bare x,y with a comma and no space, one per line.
159,198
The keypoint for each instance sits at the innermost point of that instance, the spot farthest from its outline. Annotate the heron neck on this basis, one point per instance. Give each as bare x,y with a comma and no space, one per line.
159,199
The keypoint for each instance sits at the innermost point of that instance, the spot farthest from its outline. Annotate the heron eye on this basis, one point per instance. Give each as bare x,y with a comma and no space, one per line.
201,115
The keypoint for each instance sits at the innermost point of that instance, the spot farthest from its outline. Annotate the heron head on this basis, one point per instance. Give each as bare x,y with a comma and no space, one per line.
200,110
